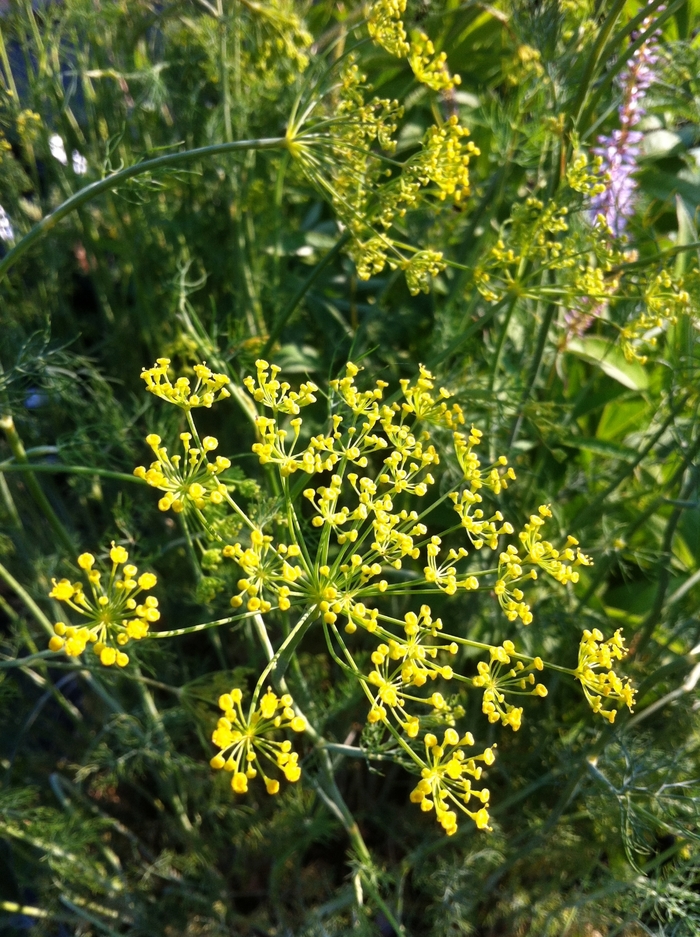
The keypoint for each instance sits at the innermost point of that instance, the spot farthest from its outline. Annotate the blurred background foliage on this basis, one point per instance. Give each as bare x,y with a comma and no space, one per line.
110,819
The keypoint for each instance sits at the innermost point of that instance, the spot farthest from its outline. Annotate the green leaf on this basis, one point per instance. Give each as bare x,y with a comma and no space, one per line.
600,447
687,234
610,360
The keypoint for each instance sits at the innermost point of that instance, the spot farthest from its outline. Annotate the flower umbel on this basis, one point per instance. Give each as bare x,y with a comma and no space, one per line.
498,679
244,740
209,387
111,615
353,542
191,484
595,671
445,780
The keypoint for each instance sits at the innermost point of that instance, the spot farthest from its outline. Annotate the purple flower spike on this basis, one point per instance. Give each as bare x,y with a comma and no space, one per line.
619,150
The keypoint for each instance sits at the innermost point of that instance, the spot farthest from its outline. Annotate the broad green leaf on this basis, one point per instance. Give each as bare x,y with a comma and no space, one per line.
610,360
687,234
622,417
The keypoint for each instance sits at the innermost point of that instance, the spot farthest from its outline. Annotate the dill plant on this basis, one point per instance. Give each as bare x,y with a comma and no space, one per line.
364,534
371,185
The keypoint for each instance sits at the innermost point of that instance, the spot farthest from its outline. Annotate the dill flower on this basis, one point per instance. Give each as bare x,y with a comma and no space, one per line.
209,387
595,672
190,484
243,741
430,69
386,27
375,455
110,612
498,681
404,664
268,569
446,780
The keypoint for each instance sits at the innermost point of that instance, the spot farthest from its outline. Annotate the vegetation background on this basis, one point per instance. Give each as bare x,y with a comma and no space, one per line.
110,819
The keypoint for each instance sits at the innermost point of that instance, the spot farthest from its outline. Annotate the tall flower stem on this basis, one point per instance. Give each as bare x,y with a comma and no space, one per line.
90,192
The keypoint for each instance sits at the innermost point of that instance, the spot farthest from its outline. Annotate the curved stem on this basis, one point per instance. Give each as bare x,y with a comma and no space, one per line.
193,629
87,194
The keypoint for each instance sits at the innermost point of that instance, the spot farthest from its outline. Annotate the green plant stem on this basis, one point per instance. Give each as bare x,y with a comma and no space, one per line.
594,58
603,566
7,424
332,796
601,88
32,467
280,659
654,258
20,591
193,629
152,710
534,370
664,576
90,192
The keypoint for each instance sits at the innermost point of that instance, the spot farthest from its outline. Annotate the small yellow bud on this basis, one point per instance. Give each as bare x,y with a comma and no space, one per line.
147,581
118,555
86,560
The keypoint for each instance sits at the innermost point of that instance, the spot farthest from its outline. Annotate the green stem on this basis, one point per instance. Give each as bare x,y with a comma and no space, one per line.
583,118
32,467
25,661
279,664
41,618
7,424
587,513
664,577
534,370
593,59
193,629
87,194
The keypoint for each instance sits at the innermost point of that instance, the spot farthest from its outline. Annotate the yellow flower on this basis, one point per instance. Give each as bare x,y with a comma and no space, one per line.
446,780
243,741
498,679
595,672
187,486
430,69
111,614
386,27
208,389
